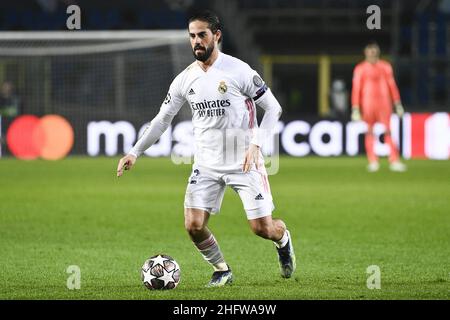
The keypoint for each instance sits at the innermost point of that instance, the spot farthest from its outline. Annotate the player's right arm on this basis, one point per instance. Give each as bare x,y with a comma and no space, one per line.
356,93
169,108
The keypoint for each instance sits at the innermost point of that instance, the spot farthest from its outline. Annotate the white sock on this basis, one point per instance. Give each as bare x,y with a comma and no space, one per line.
221,266
210,251
283,241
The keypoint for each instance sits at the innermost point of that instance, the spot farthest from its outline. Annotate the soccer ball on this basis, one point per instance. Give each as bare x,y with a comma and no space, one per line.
160,272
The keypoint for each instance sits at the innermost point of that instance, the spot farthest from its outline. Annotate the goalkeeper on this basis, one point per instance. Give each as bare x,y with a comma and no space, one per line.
373,92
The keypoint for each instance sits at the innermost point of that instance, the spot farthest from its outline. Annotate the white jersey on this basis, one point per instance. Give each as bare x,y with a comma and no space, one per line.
222,100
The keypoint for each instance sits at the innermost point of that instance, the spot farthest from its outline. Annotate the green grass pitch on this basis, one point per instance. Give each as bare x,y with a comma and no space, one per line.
342,219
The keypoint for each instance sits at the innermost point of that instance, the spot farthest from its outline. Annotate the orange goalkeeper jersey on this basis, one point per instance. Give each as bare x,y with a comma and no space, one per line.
374,86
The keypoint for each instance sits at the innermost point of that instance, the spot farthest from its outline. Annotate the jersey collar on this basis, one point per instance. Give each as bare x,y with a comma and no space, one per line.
218,60
214,65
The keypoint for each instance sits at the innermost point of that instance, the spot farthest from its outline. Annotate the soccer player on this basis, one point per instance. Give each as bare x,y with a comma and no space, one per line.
373,92
222,91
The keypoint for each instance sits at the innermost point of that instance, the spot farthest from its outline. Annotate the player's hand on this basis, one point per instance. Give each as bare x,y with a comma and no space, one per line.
399,110
251,156
356,114
125,164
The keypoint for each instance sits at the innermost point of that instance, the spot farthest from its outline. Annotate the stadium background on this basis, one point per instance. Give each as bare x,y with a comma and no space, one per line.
305,50
108,85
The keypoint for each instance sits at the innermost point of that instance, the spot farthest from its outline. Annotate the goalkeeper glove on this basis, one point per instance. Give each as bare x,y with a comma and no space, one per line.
356,114
399,109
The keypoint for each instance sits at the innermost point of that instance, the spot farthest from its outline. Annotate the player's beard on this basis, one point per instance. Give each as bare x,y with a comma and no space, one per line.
204,55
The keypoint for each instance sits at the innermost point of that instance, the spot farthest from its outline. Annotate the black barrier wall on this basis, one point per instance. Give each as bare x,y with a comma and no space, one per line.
418,135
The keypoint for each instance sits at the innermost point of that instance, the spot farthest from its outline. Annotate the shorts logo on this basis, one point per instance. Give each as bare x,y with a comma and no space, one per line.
196,172
168,98
259,197
257,81
222,87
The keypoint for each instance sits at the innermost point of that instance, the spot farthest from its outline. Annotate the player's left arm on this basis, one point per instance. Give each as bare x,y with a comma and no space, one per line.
265,99
393,90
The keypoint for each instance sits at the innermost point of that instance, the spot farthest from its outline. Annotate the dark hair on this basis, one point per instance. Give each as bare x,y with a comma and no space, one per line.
372,43
209,17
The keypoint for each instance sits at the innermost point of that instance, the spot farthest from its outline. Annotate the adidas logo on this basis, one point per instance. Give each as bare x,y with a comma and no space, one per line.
259,197
191,92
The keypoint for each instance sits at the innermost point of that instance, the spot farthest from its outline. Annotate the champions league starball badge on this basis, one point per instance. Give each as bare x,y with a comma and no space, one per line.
257,81
168,98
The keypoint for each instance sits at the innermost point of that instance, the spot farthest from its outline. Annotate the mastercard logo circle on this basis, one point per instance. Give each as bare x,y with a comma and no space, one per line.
50,137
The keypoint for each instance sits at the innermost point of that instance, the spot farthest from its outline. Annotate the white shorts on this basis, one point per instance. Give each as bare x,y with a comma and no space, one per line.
206,188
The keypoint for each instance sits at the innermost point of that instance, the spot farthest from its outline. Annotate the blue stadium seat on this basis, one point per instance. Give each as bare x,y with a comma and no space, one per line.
441,34
103,20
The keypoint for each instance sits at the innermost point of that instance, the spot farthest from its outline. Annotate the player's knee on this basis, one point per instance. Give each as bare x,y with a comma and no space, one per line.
262,230
279,224
193,227
194,221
